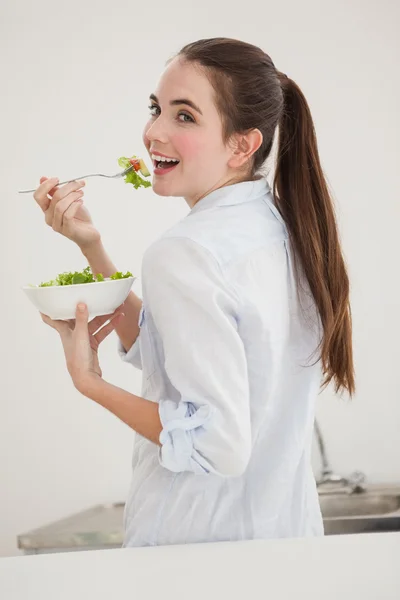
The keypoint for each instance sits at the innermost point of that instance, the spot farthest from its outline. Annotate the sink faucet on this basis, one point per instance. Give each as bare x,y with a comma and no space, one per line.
330,482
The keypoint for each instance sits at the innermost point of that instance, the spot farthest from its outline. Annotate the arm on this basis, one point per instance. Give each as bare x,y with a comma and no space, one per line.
207,428
138,413
195,310
100,262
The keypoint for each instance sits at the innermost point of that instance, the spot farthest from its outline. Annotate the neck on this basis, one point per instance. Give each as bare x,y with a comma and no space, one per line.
231,181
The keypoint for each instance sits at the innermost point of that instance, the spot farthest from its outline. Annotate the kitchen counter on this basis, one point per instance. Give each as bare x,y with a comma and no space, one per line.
100,527
353,567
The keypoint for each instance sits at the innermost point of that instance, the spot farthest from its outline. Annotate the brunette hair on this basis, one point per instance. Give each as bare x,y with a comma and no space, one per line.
250,93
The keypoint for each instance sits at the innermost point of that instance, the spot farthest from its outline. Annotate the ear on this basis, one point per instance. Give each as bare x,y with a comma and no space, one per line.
244,145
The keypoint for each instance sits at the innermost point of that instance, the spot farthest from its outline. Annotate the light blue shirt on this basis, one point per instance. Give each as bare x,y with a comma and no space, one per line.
226,349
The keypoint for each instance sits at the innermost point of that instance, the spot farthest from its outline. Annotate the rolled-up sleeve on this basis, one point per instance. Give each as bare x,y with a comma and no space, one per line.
195,311
133,355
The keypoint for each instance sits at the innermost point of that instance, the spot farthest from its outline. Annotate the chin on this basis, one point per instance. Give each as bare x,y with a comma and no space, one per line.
166,190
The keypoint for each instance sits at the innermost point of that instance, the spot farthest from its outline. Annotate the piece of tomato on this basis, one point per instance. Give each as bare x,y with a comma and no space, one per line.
135,162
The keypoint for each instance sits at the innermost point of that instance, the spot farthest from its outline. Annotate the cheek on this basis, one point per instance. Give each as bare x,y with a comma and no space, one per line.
187,145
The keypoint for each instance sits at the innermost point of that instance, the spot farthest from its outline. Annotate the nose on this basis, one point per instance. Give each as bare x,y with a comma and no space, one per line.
157,131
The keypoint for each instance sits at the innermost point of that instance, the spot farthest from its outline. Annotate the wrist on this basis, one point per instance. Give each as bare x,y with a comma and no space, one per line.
90,385
92,249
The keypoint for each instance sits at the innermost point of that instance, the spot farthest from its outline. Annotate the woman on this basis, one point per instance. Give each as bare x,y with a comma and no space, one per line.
245,310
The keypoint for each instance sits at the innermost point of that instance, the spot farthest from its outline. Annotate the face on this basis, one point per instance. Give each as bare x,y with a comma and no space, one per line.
190,133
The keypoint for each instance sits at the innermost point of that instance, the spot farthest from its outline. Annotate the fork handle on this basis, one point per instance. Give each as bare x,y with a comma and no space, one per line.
124,172
69,181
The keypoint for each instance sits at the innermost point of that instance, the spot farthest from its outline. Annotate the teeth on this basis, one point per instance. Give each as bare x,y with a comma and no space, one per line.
163,158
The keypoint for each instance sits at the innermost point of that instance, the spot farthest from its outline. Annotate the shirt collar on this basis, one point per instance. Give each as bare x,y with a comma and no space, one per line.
236,193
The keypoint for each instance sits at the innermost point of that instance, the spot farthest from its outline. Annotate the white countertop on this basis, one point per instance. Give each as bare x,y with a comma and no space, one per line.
364,566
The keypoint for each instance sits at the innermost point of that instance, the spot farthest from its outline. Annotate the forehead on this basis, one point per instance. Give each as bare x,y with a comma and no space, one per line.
185,80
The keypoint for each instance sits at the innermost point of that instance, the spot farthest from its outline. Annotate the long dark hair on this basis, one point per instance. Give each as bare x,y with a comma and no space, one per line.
251,94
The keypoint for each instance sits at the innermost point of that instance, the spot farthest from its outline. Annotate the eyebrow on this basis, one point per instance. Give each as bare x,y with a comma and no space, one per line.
178,102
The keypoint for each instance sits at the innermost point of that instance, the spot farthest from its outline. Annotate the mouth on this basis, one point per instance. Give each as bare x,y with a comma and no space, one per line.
163,164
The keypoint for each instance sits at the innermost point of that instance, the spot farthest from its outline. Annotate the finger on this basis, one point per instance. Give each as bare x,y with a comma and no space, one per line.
61,193
98,322
81,320
60,326
47,186
66,189
93,343
107,329
53,190
66,209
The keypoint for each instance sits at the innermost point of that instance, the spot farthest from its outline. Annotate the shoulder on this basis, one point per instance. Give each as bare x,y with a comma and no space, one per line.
219,237
179,267
178,254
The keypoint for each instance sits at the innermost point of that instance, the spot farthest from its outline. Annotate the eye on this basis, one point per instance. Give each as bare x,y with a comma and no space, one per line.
153,107
191,120
187,118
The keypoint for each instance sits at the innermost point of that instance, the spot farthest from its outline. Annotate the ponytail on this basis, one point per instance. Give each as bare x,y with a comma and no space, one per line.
303,199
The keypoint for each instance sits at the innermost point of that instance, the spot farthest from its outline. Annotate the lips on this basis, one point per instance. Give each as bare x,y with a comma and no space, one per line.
156,153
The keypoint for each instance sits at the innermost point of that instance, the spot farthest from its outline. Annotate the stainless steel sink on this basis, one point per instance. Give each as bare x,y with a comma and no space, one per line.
365,512
350,505
358,505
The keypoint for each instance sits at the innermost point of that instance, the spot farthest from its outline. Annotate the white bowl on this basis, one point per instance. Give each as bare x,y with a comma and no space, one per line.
60,301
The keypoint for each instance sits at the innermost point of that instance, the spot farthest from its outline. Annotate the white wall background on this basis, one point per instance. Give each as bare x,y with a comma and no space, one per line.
75,83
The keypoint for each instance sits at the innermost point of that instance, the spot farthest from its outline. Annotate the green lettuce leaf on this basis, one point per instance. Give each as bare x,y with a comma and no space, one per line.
132,176
85,276
119,275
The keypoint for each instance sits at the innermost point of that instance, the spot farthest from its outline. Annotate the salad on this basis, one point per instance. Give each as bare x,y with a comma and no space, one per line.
85,276
132,176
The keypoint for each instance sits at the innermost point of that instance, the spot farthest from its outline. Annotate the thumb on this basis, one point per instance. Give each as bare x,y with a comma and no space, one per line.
82,317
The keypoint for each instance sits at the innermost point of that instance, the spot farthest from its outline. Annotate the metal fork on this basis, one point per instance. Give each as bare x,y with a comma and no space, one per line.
116,176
